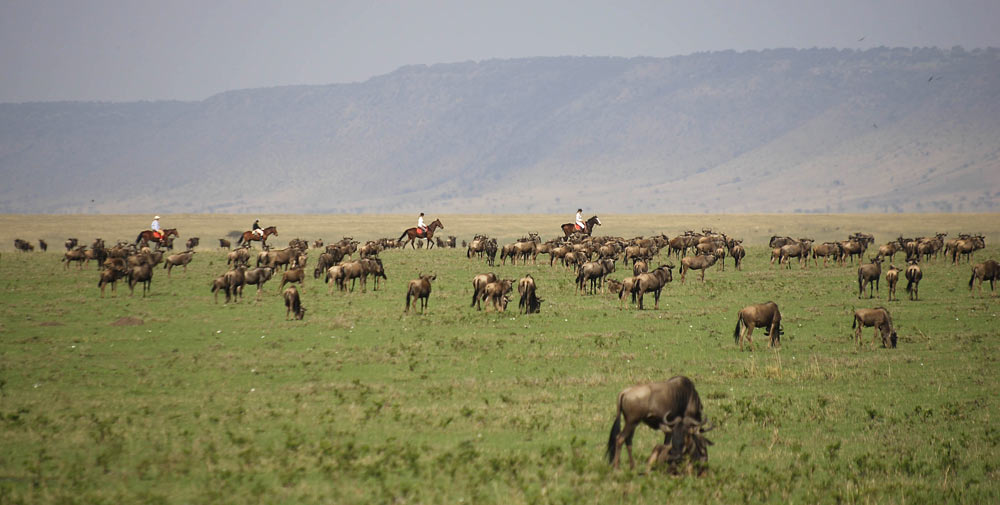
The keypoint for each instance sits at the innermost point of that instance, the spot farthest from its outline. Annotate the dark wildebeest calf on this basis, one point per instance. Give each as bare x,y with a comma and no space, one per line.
760,315
878,318
672,407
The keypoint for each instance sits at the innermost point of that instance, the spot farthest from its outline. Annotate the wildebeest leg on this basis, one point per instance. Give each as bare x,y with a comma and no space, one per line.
656,299
747,334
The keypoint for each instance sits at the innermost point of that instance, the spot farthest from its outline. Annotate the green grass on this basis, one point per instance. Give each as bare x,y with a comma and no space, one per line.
359,403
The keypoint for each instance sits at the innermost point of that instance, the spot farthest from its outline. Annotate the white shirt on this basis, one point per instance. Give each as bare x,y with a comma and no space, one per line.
579,218
420,222
155,226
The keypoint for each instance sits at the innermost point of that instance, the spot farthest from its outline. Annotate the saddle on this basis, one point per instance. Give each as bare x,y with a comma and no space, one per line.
157,234
577,227
421,233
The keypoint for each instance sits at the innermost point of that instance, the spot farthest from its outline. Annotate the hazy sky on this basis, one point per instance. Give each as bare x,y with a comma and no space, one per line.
179,49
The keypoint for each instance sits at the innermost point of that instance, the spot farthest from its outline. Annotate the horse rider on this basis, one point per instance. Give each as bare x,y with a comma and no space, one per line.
421,226
580,225
257,230
155,226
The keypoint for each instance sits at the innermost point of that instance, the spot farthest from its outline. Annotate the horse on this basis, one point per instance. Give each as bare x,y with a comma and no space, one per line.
570,228
412,234
147,235
249,236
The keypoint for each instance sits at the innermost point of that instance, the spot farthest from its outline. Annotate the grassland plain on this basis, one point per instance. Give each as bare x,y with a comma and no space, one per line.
359,403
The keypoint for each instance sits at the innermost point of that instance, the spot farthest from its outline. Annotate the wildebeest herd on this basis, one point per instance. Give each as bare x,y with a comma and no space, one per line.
673,406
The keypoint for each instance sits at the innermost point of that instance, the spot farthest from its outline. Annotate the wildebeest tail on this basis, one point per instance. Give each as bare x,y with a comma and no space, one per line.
616,428
408,293
736,332
909,285
973,278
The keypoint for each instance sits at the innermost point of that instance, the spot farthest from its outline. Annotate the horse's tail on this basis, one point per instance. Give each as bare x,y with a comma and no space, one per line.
616,428
736,332
240,240
138,238
403,235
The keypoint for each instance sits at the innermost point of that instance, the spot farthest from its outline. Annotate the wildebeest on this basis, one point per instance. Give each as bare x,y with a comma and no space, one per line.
78,255
218,284
986,271
529,302
913,276
43,245
968,247
760,315
71,243
594,271
335,276
374,268
293,304
702,262
180,259
672,407
141,273
827,250
868,275
239,257
235,279
891,278
737,251
257,276
479,283
419,289
192,243
490,248
225,244
880,319
293,275
110,276
652,282
495,294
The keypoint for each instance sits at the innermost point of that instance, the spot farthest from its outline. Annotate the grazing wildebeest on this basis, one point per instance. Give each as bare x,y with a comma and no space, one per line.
570,228
627,289
702,262
181,259
412,234
374,268
614,286
249,236
672,407
868,275
192,243
71,243
225,244
891,278
913,276
652,282
495,294
419,289
477,246
479,283
258,276
759,315
293,304
986,271
529,302
879,318
141,273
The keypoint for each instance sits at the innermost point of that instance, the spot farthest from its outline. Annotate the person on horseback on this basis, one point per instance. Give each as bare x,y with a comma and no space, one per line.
155,226
421,227
580,225
257,230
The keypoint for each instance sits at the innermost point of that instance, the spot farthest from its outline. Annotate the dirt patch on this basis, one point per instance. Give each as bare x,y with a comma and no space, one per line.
50,323
127,321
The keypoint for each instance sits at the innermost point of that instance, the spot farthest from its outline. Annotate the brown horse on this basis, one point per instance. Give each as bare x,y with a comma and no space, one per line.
570,228
412,234
249,236
147,236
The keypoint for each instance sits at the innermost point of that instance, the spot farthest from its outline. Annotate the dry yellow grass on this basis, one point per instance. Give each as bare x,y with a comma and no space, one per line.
755,229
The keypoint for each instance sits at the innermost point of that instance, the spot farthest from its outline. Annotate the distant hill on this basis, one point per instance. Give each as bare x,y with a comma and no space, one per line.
772,131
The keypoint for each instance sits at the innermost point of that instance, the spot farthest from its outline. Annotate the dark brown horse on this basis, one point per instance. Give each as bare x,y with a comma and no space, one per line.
570,228
412,234
147,236
249,236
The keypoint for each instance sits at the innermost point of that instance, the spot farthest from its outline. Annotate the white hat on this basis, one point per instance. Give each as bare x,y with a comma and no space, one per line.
156,217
